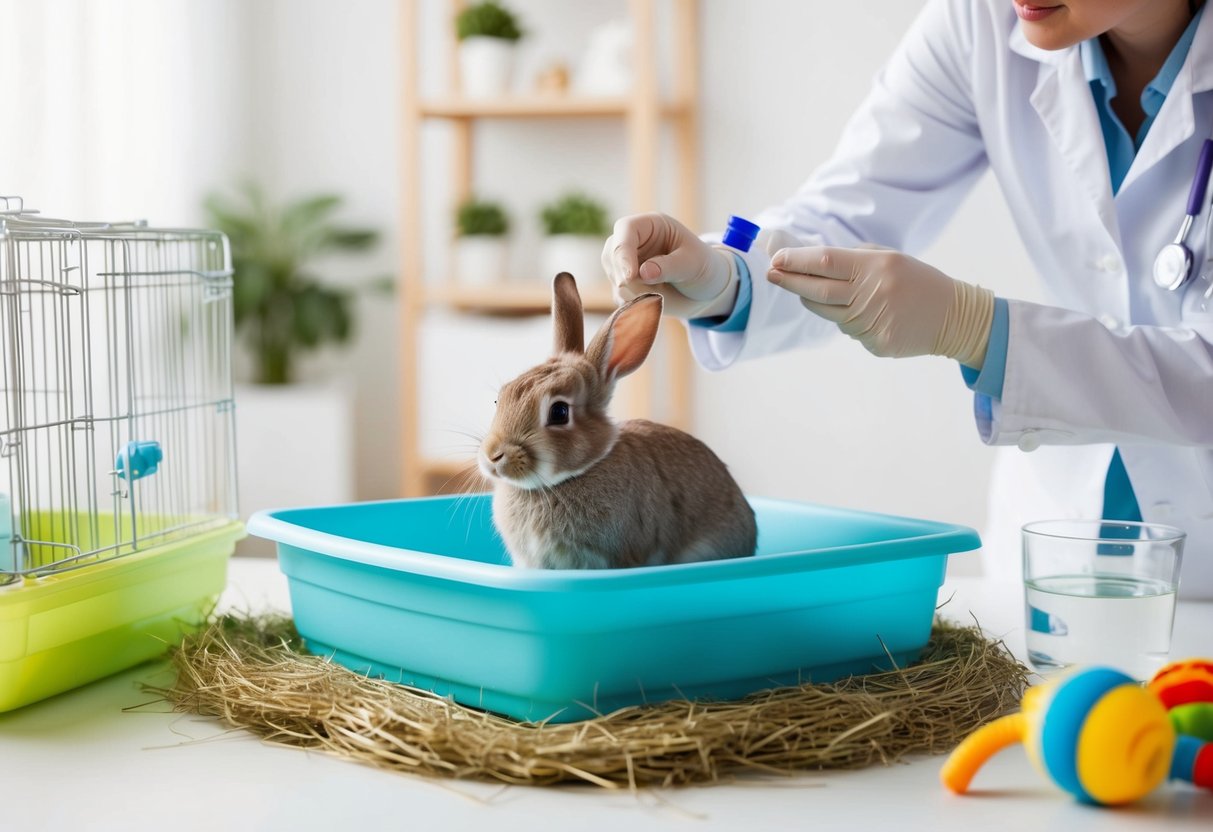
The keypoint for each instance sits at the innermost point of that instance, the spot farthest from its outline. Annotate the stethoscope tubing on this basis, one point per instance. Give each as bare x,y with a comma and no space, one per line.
1175,262
1200,183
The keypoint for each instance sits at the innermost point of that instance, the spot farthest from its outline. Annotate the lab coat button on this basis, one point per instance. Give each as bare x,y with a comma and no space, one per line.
1109,263
1029,441
1109,321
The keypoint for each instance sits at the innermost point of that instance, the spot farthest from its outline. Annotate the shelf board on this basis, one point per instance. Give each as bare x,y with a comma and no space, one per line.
536,106
523,297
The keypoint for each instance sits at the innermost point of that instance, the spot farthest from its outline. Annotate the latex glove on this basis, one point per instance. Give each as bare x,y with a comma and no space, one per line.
894,305
657,253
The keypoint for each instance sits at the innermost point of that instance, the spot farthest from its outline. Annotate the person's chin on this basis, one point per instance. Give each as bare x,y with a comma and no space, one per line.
1046,25
1049,41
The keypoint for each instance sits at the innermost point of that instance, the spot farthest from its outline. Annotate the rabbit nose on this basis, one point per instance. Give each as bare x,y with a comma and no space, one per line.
493,450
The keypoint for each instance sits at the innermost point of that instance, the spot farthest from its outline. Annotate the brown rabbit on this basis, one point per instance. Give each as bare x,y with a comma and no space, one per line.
574,489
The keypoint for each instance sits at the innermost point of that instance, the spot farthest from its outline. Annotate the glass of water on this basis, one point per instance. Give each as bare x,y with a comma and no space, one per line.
1100,592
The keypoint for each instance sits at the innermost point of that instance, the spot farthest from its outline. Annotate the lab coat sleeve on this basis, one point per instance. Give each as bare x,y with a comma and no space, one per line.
1071,380
904,162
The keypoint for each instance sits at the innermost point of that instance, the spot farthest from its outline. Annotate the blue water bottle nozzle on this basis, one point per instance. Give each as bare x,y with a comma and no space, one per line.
138,460
739,233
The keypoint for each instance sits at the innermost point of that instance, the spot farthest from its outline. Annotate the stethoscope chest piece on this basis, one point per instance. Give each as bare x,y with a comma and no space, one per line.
1173,265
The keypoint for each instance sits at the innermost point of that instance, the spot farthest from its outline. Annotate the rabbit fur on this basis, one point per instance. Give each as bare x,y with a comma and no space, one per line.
573,489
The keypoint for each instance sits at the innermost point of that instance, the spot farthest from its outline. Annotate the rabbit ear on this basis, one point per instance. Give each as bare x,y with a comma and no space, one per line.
625,339
567,315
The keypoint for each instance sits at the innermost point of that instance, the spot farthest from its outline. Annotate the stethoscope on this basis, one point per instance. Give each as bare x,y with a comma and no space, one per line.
1173,265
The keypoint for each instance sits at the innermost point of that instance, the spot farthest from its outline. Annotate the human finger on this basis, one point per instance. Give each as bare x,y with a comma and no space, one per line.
685,264
638,237
821,261
608,259
821,290
631,289
624,244
836,314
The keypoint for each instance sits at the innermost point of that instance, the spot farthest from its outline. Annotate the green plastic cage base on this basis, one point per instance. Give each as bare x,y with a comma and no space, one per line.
62,631
102,533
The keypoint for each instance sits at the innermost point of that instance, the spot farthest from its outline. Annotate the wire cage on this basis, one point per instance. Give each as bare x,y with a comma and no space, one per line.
117,437
117,426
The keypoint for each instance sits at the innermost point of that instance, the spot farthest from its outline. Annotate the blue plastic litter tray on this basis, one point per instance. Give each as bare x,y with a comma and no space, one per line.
421,592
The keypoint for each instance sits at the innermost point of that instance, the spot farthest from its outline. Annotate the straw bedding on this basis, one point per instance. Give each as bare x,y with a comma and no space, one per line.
253,674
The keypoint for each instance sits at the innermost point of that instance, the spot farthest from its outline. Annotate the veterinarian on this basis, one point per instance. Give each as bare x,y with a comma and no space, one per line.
1092,115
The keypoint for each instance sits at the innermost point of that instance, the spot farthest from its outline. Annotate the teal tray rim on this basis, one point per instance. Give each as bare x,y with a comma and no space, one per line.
936,539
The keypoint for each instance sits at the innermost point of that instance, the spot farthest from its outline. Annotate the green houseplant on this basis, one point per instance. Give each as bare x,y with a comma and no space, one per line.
282,308
489,20
575,225
575,213
481,250
488,34
481,218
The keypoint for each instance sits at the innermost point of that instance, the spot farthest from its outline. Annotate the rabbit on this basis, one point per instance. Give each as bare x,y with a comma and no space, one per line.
572,489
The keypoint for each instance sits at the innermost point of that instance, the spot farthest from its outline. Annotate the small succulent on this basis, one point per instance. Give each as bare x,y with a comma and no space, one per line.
575,213
481,218
490,20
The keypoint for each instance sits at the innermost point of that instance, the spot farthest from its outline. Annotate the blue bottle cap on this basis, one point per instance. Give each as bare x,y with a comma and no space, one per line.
740,233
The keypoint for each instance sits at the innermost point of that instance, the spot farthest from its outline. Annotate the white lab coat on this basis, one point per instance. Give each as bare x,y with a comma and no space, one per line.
1113,360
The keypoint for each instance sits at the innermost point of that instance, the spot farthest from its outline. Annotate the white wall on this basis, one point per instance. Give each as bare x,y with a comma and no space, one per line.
324,84
123,109
302,95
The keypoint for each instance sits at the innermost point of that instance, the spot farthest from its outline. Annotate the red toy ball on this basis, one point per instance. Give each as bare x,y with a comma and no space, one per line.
1184,682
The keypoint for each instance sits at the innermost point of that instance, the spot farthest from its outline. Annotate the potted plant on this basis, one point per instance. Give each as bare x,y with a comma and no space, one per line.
295,439
488,33
576,227
480,244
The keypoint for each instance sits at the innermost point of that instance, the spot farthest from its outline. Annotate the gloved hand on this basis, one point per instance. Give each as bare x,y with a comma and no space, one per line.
656,253
894,305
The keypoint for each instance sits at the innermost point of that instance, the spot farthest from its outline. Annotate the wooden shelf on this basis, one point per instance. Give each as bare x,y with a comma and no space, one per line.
520,298
645,114
537,106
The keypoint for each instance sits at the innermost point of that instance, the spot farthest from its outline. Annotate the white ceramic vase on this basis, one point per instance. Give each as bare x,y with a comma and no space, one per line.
486,66
579,255
481,260
294,447
605,67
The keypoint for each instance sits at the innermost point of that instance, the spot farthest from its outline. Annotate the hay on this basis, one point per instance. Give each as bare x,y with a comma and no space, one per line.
251,673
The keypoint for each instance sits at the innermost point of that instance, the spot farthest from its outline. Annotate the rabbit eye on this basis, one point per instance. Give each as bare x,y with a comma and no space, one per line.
558,413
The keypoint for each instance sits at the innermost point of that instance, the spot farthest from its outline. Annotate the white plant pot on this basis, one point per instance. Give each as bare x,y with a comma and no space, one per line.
577,254
481,260
294,447
486,66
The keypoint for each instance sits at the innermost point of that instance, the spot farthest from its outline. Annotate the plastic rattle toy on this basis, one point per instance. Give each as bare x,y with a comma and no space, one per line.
1185,689
1096,733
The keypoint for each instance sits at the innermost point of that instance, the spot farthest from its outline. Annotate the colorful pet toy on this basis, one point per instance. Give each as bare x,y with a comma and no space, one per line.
1185,689
1099,735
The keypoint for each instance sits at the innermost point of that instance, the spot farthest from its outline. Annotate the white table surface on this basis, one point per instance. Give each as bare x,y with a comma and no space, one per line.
86,760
